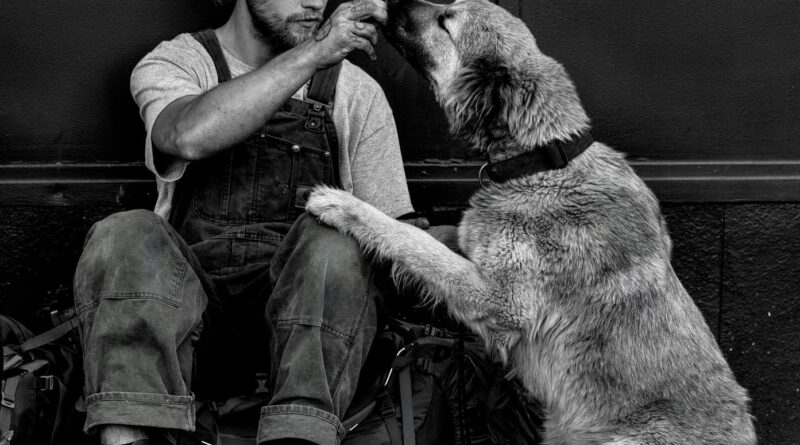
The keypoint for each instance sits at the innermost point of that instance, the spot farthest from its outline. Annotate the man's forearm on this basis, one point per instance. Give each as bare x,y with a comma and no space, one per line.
196,127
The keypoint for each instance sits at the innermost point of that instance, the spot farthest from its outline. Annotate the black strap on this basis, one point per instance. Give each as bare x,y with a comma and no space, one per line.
50,336
323,85
11,359
9,394
208,38
552,156
389,416
407,406
352,421
20,332
9,399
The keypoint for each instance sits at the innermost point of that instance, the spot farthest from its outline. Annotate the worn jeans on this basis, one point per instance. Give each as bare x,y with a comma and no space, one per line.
146,299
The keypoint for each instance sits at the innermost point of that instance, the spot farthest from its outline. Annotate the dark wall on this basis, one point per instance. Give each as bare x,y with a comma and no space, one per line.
704,97
669,83
716,79
66,66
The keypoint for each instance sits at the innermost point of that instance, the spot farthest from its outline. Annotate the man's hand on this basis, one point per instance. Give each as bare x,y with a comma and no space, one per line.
348,30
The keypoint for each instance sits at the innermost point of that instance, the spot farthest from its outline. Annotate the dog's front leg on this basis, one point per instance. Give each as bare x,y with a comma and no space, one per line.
416,256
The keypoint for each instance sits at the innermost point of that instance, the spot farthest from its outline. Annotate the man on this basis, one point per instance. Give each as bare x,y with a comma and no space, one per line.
236,138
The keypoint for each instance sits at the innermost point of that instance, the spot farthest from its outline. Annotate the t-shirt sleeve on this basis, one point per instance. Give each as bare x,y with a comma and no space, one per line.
174,69
377,169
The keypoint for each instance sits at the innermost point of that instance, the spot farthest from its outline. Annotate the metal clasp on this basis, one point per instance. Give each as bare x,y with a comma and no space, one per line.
44,383
480,174
557,154
8,401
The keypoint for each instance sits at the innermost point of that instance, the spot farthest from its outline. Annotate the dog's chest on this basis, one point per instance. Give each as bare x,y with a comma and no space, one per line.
481,234
502,239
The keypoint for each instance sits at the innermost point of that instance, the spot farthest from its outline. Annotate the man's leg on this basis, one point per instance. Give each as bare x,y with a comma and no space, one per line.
322,318
140,304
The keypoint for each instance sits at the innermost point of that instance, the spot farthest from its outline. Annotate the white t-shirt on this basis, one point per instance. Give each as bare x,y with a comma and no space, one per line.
370,161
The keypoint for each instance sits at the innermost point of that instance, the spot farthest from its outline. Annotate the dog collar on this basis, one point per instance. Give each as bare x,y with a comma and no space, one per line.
554,155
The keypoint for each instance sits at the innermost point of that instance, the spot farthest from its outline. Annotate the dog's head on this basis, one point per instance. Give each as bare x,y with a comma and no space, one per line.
495,86
441,39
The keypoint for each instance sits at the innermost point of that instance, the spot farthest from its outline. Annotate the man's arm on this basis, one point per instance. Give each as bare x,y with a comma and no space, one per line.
196,127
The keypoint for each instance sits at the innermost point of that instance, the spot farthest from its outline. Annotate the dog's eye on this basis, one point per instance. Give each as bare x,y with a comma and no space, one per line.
442,18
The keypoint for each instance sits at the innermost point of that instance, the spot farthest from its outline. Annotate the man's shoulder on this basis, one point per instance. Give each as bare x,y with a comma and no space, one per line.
182,59
356,82
182,47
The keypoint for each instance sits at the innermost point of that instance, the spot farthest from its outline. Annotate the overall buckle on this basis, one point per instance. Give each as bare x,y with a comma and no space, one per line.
315,120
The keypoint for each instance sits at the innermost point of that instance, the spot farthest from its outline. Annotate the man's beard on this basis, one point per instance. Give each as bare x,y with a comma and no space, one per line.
278,33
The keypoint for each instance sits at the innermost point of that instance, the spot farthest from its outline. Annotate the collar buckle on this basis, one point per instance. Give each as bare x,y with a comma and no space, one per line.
557,153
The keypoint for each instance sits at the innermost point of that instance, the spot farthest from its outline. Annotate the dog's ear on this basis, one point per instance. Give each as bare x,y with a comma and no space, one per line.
483,100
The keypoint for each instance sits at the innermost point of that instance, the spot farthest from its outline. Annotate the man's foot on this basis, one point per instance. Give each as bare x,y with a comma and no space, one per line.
131,435
123,435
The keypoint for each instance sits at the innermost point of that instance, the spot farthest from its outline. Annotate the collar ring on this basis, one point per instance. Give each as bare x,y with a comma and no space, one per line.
480,174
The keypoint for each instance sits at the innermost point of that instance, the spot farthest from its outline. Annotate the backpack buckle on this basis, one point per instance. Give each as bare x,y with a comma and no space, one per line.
6,437
44,383
8,401
261,382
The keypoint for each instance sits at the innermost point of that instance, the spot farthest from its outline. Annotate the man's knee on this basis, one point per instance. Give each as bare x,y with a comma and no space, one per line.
126,224
323,260
133,254
315,247
324,239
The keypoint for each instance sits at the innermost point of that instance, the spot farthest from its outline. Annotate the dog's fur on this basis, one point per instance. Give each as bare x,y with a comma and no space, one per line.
567,272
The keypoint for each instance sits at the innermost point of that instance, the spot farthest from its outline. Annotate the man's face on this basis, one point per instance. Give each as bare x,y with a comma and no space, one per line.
285,24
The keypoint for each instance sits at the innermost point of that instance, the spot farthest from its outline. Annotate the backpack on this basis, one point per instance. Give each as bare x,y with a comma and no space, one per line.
42,381
441,378
444,380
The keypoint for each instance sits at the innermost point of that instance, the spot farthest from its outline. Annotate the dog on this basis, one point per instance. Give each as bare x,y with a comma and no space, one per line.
566,268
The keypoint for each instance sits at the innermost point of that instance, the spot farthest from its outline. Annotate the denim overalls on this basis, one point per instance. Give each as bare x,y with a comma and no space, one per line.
170,310
266,179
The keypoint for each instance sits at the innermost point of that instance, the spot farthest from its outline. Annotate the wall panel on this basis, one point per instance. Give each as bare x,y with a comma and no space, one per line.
760,313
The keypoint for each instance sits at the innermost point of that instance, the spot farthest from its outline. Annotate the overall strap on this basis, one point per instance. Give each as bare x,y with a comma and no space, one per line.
208,38
323,85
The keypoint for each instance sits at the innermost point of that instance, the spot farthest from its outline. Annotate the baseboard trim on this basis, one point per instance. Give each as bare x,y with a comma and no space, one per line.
447,183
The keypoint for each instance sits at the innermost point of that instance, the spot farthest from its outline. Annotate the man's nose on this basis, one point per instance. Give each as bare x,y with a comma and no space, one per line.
314,4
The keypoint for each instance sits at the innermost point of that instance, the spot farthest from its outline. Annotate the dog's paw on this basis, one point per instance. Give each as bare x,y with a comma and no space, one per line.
334,207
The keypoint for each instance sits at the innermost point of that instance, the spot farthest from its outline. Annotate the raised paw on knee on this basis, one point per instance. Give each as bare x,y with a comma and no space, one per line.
332,206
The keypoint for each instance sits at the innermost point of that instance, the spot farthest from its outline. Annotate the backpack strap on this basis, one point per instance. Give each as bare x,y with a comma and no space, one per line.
50,336
387,413
8,403
354,420
11,326
323,85
11,359
9,394
407,406
208,38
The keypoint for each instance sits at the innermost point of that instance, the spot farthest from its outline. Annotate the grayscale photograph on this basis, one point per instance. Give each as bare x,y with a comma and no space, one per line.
400,222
